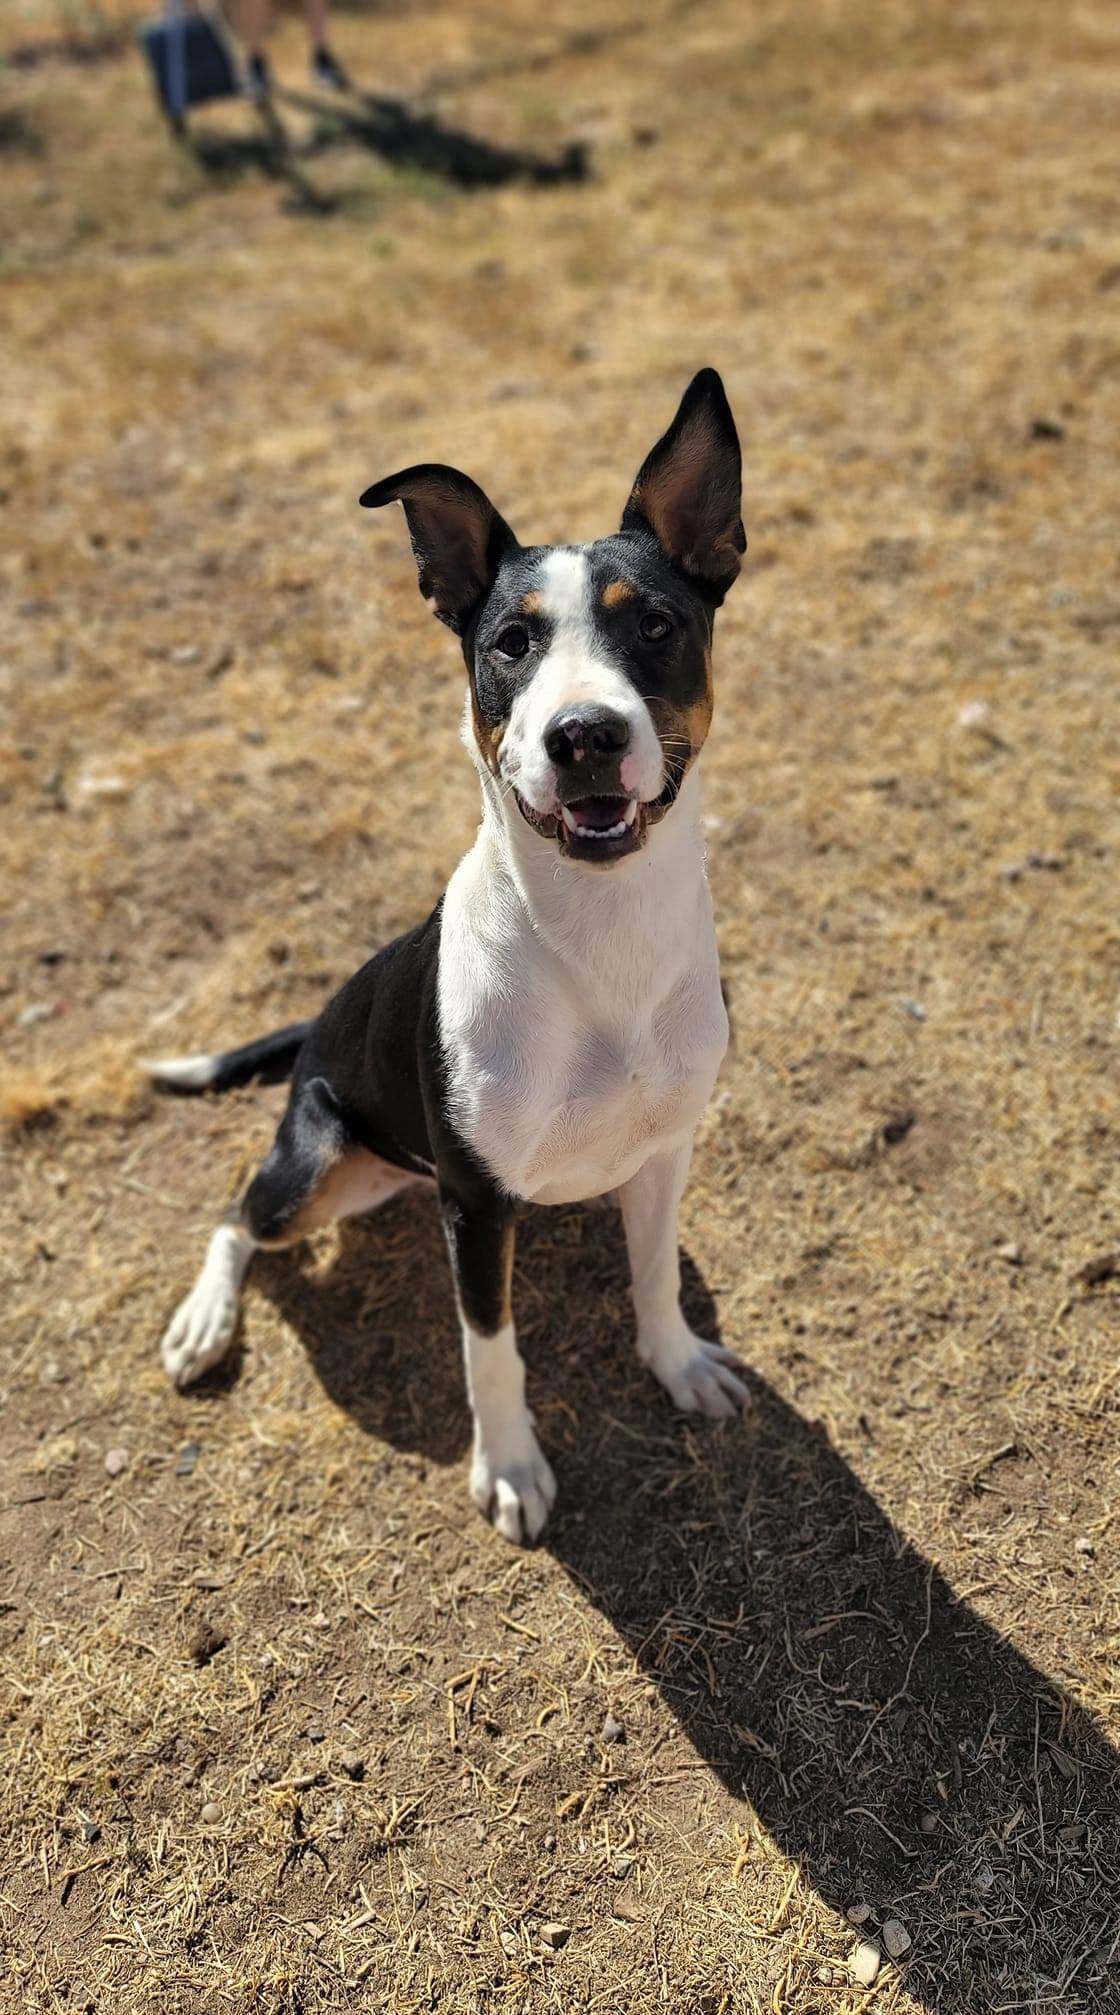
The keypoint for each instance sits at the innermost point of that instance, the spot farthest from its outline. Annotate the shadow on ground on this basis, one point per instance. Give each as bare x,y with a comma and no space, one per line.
404,137
894,1744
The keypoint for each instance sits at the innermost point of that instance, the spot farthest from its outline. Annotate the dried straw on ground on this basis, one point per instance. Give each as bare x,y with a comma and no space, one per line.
287,1728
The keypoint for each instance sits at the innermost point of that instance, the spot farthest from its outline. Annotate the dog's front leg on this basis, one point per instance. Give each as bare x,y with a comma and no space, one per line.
699,1377
510,1480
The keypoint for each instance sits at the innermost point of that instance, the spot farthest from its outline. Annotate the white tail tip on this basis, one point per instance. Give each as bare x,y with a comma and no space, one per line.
190,1073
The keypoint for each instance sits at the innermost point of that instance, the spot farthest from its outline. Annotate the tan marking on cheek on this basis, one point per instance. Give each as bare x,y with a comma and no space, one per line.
617,592
488,739
697,718
532,603
682,731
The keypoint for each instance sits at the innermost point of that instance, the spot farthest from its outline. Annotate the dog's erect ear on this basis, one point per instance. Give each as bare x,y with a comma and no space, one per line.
688,490
459,539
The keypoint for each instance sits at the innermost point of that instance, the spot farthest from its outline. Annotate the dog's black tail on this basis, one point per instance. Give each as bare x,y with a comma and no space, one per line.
270,1060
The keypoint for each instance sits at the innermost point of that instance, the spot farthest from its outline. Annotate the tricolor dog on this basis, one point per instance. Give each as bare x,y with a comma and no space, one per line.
553,1031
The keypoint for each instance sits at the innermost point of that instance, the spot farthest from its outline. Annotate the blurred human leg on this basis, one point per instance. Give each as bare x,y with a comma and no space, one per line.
254,20
325,66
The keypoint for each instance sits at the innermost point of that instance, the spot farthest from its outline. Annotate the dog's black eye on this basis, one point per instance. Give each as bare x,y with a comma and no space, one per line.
654,628
513,641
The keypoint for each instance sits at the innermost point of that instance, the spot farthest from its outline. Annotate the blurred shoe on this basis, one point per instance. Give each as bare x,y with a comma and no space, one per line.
258,78
328,71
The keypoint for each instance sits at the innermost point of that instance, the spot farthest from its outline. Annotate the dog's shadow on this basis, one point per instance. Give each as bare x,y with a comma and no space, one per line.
894,1743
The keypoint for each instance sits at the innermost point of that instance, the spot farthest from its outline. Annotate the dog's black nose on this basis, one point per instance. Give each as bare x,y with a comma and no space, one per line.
589,731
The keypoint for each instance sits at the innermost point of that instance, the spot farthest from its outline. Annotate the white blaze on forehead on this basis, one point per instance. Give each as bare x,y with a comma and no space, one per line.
576,668
565,589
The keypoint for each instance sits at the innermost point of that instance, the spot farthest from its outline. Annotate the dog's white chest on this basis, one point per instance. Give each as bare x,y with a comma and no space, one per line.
615,1099
564,1077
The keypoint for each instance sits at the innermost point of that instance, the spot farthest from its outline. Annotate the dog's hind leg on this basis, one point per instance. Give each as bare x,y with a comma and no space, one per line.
314,1174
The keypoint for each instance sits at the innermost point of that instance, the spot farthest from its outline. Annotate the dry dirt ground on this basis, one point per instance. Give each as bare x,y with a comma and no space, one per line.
286,1727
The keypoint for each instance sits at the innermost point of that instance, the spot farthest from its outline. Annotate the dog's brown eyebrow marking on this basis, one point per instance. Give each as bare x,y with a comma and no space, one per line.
617,592
532,603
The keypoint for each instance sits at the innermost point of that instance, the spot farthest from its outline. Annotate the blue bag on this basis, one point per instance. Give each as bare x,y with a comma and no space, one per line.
190,59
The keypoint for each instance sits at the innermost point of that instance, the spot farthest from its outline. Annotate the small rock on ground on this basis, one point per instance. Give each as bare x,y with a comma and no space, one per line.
116,1461
1102,1267
864,1963
896,1937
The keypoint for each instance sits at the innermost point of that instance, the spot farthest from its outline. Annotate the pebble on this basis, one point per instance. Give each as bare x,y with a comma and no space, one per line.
928,1822
353,1764
188,1459
1095,1270
1038,861
91,1831
915,1009
116,1461
211,1813
975,714
858,1913
38,1011
92,784
1010,1252
864,1962
555,1935
896,1937
612,1730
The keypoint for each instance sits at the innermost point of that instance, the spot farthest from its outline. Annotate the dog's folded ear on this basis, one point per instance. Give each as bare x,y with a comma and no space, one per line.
688,491
459,539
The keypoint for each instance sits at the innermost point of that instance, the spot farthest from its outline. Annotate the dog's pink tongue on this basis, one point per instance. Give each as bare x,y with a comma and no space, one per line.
599,811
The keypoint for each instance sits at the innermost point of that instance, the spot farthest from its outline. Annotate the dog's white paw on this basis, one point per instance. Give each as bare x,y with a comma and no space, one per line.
699,1377
514,1487
201,1330
199,1334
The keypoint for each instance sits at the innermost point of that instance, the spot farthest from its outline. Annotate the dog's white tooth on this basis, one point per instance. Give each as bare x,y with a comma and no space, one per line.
569,821
630,813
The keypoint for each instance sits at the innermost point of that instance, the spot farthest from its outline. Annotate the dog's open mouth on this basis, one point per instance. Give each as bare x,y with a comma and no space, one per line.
593,828
599,818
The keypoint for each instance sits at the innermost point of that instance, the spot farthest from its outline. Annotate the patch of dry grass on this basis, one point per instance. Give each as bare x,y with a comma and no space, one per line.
288,1729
